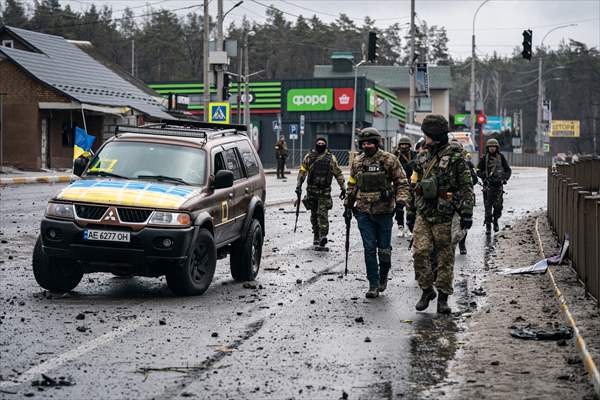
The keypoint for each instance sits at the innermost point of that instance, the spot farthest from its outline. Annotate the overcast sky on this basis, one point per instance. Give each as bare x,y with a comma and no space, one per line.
498,27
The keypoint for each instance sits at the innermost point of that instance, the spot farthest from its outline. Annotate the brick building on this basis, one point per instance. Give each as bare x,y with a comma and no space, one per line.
49,85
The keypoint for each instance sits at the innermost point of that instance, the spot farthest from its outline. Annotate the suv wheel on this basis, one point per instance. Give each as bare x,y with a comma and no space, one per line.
245,255
194,277
54,274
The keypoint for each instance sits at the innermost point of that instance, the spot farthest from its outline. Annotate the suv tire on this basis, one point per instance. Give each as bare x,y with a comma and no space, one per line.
246,254
195,275
58,275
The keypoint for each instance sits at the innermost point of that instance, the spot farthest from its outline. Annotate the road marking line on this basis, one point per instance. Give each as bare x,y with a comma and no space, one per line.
588,362
48,365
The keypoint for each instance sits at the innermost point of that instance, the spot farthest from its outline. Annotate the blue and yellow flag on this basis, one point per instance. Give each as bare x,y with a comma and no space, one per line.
83,142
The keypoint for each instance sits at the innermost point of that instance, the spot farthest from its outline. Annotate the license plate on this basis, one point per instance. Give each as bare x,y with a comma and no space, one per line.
108,236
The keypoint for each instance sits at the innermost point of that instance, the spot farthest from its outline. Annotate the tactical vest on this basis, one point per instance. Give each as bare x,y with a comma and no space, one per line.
494,171
372,182
319,170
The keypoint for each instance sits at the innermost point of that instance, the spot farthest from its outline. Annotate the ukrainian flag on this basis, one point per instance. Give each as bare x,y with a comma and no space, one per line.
83,142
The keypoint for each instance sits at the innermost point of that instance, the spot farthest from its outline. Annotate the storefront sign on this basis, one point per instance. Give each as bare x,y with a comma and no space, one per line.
318,99
565,128
343,99
371,100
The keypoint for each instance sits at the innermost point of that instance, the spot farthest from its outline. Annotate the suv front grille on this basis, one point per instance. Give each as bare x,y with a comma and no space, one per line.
134,215
90,212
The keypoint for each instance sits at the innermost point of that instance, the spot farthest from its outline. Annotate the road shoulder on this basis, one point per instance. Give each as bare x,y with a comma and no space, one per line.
491,364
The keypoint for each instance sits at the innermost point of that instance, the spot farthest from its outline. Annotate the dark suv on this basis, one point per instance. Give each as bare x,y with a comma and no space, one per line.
158,200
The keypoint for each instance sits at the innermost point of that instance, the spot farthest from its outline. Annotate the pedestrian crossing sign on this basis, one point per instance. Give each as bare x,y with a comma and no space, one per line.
218,113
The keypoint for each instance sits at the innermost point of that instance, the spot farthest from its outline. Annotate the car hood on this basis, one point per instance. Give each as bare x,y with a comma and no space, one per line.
128,193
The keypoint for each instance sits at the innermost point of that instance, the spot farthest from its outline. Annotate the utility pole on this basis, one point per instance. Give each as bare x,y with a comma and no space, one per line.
132,57
472,98
411,66
239,88
247,121
220,78
206,77
2,131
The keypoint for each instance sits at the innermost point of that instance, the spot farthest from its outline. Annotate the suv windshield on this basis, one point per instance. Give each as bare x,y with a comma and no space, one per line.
142,160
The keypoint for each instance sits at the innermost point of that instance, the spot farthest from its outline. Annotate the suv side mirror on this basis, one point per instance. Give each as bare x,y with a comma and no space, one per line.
79,165
223,179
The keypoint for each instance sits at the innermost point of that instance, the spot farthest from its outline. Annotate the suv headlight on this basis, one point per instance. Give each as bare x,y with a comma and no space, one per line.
60,210
170,219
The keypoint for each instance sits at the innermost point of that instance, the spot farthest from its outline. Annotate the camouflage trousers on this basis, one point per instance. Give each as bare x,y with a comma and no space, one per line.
492,200
319,205
433,237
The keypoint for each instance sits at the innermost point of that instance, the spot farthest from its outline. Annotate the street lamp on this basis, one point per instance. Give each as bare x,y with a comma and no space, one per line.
352,146
472,105
540,100
239,3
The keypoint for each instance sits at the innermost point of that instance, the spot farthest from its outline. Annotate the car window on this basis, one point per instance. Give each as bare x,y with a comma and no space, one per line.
219,163
232,164
248,158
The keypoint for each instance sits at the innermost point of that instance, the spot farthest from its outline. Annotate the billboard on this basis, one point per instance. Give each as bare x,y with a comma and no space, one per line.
317,99
565,128
371,100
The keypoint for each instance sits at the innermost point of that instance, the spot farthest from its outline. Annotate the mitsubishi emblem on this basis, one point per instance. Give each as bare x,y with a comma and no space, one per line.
110,216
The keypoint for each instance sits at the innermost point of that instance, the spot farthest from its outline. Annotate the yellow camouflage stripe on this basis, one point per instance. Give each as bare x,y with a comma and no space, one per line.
123,197
351,180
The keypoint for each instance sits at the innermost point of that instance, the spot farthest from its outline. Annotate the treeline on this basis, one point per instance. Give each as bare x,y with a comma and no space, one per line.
169,47
509,84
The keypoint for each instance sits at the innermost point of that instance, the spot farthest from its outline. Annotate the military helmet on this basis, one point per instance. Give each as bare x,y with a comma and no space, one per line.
404,140
492,142
369,134
436,127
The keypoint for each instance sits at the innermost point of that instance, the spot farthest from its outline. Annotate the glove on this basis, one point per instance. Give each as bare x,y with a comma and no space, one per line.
343,194
410,222
298,191
466,222
400,213
347,214
504,182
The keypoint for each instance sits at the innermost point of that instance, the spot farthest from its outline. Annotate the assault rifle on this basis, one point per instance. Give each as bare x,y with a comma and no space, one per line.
348,219
299,193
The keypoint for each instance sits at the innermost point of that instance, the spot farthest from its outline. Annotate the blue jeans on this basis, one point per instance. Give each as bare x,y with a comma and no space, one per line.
376,233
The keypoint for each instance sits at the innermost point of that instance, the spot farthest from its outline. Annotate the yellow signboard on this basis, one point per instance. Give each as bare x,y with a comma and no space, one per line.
218,113
564,128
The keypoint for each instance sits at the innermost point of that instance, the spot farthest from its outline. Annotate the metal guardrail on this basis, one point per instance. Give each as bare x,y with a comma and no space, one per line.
574,210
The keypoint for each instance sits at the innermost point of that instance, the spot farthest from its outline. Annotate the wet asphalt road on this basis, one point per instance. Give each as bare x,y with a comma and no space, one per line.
303,330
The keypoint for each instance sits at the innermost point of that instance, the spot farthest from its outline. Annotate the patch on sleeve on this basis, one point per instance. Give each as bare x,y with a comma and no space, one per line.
444,162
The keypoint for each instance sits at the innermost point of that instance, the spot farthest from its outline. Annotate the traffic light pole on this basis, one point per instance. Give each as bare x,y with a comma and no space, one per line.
472,98
206,65
411,67
353,133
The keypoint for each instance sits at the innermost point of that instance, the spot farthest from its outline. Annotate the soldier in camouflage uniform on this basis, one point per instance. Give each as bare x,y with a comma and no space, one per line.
494,171
406,156
443,188
462,245
320,166
281,153
377,186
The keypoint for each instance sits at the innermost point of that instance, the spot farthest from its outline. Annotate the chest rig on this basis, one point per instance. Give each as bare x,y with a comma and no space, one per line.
372,181
319,170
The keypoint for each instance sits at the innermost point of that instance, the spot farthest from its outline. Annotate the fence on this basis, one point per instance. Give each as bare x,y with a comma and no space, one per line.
574,210
528,160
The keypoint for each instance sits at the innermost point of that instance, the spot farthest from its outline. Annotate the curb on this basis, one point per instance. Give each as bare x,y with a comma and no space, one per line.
36,179
588,362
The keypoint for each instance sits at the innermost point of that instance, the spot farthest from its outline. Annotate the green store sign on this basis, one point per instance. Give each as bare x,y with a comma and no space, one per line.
318,99
371,100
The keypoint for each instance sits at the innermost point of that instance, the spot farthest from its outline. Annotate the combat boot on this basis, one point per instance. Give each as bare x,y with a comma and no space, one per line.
323,241
372,293
400,231
488,228
496,227
462,247
442,305
426,297
383,279
315,240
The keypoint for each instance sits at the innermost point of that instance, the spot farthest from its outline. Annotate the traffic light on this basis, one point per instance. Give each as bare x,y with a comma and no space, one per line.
372,48
527,35
226,80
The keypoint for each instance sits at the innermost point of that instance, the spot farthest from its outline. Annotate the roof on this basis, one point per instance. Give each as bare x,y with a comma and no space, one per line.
69,70
390,76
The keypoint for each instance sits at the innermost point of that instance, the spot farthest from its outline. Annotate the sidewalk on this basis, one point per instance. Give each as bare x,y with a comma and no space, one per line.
491,364
13,176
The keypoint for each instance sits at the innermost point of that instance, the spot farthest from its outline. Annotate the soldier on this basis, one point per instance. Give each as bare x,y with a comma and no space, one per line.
376,188
462,245
494,171
443,188
406,156
320,166
281,153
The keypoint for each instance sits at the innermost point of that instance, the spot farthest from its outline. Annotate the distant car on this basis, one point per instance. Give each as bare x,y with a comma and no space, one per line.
158,200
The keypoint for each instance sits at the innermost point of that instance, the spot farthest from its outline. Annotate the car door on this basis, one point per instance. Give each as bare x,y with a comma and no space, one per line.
240,188
223,204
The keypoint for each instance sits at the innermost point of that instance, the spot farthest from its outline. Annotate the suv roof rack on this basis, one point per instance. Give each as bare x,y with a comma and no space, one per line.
206,125
163,130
